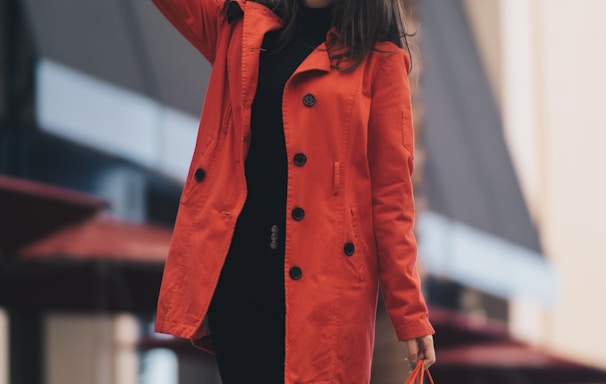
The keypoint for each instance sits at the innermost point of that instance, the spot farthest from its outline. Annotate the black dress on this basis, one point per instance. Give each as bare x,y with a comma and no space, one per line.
247,313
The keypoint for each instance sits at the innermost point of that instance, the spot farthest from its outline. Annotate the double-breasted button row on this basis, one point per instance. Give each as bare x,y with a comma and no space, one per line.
295,273
200,174
349,249
309,100
300,159
298,213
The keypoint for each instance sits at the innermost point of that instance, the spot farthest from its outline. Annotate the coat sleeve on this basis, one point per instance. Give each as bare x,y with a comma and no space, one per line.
196,20
391,163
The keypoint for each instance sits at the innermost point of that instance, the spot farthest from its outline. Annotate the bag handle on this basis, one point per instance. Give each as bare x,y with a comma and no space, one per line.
418,374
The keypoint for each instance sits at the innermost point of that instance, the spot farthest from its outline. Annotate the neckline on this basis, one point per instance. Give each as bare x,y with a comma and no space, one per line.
312,16
313,11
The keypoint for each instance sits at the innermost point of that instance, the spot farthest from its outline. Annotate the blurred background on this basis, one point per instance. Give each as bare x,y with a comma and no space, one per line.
99,103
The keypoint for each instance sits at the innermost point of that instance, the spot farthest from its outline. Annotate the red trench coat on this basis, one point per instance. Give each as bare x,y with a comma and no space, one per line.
355,188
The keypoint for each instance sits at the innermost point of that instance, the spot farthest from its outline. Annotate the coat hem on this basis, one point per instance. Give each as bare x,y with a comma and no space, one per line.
199,337
174,328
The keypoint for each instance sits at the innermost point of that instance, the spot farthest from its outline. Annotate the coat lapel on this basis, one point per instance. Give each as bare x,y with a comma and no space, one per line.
318,60
258,19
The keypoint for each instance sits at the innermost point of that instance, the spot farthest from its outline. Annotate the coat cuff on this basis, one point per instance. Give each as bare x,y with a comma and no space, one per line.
411,329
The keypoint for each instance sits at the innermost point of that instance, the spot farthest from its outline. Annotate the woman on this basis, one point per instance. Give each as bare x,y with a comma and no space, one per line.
299,202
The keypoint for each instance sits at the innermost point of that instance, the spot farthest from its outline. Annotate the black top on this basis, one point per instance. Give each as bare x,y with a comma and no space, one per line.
264,213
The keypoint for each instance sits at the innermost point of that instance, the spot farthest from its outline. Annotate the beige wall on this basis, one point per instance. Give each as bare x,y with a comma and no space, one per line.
485,16
95,349
3,347
551,63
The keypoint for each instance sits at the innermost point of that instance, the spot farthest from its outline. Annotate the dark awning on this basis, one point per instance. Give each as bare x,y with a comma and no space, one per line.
469,174
115,76
126,43
478,230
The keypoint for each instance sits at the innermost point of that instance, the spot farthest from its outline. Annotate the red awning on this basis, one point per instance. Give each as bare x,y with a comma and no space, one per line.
102,238
472,350
97,265
61,254
457,329
31,210
503,354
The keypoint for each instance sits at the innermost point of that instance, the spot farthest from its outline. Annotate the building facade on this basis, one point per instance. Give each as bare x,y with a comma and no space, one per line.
545,62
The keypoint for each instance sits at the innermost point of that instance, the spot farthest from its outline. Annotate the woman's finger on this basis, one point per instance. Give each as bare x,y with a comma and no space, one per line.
413,350
428,350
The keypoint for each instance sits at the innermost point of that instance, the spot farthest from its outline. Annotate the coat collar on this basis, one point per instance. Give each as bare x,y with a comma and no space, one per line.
257,20
234,10
319,59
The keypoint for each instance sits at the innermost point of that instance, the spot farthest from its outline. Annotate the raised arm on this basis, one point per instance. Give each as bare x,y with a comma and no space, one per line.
197,20
391,161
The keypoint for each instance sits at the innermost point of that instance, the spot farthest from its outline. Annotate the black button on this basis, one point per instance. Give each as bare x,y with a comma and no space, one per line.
309,100
349,249
295,273
298,213
300,159
200,174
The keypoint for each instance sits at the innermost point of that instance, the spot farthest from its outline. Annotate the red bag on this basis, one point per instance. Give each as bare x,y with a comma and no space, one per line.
418,374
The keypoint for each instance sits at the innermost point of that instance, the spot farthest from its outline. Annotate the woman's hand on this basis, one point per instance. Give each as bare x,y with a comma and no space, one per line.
421,348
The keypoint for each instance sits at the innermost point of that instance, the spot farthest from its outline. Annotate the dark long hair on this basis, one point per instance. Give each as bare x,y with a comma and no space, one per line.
359,24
